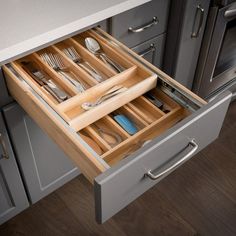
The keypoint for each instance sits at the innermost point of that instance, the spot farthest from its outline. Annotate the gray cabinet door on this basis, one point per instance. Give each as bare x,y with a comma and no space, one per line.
4,96
185,32
44,166
152,50
13,198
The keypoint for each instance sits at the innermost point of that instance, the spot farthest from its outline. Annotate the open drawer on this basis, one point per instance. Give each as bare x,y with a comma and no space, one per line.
125,144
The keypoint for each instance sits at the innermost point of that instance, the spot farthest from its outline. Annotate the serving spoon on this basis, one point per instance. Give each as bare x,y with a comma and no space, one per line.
94,47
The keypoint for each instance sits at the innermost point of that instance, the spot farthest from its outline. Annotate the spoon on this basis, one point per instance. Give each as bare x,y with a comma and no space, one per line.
92,144
110,137
94,47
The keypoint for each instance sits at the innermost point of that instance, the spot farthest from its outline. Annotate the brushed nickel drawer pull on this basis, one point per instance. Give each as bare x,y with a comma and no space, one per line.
4,155
194,146
151,49
142,28
195,34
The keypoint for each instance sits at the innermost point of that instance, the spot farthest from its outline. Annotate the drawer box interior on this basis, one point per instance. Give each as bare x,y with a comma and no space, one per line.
93,138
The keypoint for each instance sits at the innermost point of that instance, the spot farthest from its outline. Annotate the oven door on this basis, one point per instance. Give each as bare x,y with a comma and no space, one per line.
217,62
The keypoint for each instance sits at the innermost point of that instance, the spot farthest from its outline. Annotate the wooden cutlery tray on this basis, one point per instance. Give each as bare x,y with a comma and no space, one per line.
135,77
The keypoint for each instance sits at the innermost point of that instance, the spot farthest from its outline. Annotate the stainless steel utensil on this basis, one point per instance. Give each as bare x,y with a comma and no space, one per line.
54,61
50,86
108,135
71,53
94,47
109,94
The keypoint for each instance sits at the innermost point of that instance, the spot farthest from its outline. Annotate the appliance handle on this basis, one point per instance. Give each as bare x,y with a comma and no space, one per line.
230,13
200,11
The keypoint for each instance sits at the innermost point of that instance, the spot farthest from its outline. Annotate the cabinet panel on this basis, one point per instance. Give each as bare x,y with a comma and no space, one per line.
4,96
44,166
13,198
185,31
152,50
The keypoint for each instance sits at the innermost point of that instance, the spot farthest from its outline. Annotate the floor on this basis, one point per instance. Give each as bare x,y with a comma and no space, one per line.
197,199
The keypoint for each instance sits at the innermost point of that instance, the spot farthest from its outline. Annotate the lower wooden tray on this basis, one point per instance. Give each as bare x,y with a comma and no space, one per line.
150,121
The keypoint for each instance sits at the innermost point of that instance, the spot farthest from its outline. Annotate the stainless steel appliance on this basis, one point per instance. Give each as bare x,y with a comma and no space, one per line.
216,70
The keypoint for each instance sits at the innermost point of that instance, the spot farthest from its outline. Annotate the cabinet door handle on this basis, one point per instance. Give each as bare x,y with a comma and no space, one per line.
4,148
200,11
144,27
194,147
145,52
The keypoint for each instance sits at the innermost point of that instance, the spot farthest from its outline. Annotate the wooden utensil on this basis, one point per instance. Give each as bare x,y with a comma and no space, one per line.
92,144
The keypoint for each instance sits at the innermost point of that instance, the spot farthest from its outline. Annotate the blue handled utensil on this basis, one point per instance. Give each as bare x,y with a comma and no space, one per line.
126,124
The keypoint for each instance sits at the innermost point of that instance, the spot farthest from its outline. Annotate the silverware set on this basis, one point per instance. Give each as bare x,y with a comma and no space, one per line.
71,53
55,62
50,86
43,80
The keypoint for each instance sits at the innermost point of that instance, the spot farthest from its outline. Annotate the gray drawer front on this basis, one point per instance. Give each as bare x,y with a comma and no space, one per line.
139,17
44,166
123,183
152,50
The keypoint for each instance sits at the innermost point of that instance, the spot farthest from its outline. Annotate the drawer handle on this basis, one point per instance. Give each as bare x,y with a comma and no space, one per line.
194,146
4,155
142,28
151,49
195,34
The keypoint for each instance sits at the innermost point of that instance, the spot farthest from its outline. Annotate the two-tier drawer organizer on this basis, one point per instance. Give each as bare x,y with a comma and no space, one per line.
122,163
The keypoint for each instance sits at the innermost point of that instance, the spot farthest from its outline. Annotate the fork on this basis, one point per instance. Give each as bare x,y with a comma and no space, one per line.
71,53
55,62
